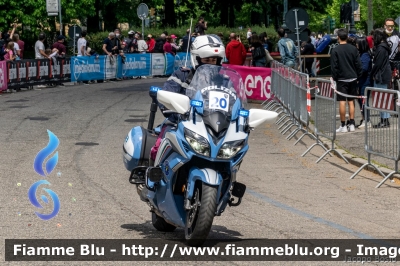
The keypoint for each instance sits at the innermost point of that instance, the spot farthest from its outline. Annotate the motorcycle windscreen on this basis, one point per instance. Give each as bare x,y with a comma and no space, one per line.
218,88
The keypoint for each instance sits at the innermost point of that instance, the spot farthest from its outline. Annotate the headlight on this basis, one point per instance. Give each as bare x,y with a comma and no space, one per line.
198,143
230,149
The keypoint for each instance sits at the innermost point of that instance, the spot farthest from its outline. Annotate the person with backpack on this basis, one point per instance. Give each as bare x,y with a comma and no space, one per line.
365,79
258,52
130,43
159,47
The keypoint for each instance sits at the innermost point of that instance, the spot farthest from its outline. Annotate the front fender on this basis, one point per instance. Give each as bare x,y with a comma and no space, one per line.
205,175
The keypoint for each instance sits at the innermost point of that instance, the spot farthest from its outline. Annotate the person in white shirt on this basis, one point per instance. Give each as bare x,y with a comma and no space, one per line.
142,45
17,50
82,44
248,36
39,47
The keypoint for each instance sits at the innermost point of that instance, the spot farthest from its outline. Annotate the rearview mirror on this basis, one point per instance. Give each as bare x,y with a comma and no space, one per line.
258,116
174,101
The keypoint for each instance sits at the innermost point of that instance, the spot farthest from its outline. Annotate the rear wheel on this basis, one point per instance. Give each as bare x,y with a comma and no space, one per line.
160,224
200,217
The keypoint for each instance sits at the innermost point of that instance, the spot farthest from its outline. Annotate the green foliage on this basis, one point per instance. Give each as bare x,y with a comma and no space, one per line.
382,9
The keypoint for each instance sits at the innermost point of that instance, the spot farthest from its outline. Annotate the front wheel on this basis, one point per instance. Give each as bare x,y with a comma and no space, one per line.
200,217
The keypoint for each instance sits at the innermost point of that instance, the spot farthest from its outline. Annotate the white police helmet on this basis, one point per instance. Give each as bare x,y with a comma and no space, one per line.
206,46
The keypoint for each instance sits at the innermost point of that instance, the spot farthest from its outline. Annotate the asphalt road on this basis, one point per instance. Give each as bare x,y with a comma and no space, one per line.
288,196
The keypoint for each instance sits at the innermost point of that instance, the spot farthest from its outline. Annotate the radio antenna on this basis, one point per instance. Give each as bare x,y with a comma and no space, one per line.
189,39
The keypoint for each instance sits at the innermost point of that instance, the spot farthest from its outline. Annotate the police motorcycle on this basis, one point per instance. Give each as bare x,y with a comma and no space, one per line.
193,177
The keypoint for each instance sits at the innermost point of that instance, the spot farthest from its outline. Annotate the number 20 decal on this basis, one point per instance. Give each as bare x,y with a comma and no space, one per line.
219,101
216,103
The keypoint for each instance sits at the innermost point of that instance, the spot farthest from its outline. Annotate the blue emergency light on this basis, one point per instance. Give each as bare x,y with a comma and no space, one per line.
196,103
154,89
244,113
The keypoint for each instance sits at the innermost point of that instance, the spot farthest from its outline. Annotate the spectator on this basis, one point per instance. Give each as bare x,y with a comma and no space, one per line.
159,46
352,39
82,44
346,69
200,27
91,52
59,45
9,55
117,42
21,45
142,45
392,37
248,36
257,51
51,53
108,45
287,49
185,42
17,51
381,72
150,43
370,40
265,42
130,43
39,47
167,46
221,36
365,80
308,49
313,39
175,47
235,51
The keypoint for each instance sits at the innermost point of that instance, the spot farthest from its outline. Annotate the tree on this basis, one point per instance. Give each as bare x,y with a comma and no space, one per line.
37,20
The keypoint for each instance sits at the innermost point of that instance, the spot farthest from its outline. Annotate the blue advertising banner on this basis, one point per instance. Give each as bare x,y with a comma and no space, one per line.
136,65
88,68
180,60
169,64
109,67
157,64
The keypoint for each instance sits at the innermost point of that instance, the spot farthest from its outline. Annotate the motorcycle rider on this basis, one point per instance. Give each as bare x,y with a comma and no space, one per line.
205,49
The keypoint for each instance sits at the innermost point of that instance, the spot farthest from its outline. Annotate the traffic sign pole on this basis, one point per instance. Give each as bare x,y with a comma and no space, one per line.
298,36
142,12
61,26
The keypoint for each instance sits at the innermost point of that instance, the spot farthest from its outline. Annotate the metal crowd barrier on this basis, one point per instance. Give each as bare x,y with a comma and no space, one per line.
290,89
325,117
291,99
383,142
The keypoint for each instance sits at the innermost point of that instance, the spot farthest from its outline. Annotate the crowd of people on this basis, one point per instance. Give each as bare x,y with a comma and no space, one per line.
11,46
356,62
360,62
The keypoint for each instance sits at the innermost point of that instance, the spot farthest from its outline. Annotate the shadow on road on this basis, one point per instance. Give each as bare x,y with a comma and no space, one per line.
147,231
